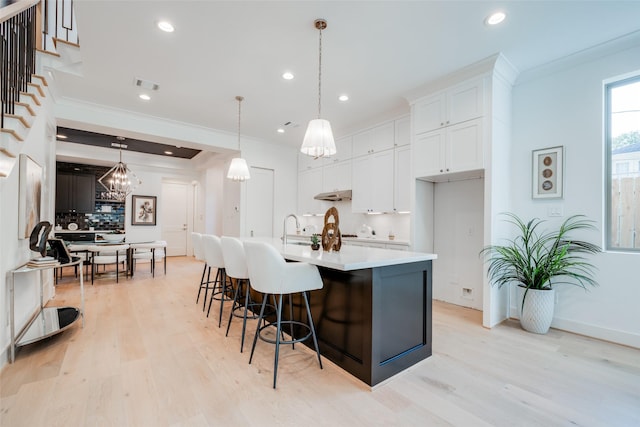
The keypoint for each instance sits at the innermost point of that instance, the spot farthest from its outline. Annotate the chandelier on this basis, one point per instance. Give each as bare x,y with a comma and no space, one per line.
118,180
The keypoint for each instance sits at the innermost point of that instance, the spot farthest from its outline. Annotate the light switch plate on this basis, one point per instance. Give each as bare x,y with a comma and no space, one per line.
554,211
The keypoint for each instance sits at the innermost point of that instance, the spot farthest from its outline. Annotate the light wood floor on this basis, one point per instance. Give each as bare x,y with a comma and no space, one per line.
149,356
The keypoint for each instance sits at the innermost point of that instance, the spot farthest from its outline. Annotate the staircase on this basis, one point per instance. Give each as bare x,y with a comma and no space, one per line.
25,90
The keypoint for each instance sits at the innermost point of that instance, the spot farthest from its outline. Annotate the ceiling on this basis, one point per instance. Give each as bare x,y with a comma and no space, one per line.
377,52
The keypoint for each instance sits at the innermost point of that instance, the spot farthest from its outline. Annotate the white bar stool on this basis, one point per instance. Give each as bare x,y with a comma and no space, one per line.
272,275
220,290
198,253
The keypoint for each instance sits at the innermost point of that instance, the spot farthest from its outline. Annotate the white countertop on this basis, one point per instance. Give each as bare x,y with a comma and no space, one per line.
349,257
305,238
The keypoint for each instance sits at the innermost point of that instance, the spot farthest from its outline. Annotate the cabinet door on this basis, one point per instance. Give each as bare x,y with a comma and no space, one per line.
429,113
429,154
403,132
337,176
309,184
381,181
382,138
307,162
402,181
64,183
361,186
85,193
464,147
465,102
343,151
361,143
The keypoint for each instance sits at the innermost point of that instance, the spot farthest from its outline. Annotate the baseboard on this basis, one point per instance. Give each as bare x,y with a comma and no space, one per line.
612,335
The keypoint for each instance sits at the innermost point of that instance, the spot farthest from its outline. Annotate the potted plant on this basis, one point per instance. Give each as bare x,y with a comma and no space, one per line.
315,242
539,260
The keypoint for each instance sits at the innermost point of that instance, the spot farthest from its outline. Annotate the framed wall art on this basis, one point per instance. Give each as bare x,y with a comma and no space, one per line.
547,178
30,196
143,210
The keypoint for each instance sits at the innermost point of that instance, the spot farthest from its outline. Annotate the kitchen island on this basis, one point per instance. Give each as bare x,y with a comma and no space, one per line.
373,314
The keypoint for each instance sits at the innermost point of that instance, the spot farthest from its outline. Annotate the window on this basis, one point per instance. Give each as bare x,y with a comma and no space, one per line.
622,127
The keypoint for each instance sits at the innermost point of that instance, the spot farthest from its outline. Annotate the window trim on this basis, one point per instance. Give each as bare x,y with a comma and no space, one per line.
609,167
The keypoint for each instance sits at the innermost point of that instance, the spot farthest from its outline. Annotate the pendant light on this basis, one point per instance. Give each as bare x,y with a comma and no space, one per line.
118,180
238,169
318,140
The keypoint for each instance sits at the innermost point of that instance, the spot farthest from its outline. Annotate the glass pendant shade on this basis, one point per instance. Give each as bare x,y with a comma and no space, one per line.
318,140
238,170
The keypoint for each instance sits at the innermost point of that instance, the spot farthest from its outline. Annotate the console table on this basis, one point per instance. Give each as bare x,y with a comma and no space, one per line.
46,321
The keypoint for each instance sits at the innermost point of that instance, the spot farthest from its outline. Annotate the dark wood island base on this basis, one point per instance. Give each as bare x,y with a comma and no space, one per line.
374,322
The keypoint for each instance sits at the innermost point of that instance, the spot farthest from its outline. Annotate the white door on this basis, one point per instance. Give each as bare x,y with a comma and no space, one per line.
175,204
260,203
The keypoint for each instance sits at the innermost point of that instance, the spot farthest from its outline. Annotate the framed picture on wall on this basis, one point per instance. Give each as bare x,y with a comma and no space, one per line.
547,177
143,210
29,197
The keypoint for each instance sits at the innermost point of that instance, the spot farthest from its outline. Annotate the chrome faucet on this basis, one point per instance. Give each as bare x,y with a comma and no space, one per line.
284,227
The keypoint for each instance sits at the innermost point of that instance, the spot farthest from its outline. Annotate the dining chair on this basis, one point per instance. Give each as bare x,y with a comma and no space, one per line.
107,255
151,251
270,274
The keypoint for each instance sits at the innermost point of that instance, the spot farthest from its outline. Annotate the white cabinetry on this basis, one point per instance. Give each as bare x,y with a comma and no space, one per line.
344,147
308,162
309,184
403,131
402,179
458,104
374,140
336,176
453,149
372,183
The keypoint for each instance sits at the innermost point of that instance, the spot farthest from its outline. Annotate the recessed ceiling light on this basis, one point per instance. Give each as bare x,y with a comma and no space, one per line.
343,98
280,130
144,97
60,136
287,76
168,153
495,18
165,26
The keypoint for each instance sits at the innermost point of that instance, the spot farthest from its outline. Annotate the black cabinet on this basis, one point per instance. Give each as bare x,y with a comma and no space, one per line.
75,192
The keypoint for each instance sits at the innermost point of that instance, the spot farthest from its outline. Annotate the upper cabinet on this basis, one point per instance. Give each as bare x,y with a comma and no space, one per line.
374,140
457,148
344,147
308,162
457,104
75,192
403,132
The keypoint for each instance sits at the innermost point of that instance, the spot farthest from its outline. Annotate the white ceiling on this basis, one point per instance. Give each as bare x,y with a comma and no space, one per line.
376,52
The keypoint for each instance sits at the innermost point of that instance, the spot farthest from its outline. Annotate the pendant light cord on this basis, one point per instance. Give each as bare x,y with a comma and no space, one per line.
239,98
320,73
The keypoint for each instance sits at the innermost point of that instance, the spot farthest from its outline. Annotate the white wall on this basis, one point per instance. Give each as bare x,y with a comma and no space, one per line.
40,146
563,105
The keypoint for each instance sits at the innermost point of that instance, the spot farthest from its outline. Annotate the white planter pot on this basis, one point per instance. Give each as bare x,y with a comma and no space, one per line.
537,313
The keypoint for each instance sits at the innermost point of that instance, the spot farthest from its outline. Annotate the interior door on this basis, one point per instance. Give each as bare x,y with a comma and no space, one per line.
174,217
260,203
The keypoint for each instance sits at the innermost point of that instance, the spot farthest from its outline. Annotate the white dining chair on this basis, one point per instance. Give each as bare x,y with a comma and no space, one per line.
107,255
152,252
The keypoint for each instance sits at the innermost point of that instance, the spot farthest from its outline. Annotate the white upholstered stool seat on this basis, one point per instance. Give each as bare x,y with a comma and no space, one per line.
272,275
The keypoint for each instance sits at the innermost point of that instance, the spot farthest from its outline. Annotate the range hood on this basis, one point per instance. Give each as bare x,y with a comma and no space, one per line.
334,196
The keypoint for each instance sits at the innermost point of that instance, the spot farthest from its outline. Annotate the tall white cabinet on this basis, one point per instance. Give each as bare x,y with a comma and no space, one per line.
460,129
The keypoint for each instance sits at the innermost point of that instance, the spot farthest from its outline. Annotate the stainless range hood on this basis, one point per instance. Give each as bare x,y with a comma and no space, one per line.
334,196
